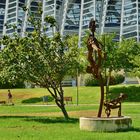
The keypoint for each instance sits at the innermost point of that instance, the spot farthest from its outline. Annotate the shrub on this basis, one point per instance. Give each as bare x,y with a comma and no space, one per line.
119,78
90,81
132,92
115,79
7,85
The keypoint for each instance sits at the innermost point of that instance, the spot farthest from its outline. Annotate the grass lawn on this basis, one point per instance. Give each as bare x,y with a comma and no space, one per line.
22,122
47,123
87,95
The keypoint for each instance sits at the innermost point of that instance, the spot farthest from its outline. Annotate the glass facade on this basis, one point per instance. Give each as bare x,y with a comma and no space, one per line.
73,16
2,13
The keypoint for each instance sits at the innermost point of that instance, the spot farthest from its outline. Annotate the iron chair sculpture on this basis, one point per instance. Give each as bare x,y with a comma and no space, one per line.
113,104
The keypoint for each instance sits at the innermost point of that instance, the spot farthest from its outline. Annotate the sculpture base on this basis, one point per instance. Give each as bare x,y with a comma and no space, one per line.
105,124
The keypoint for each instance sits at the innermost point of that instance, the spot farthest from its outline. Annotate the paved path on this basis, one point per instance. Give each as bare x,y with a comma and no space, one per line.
127,104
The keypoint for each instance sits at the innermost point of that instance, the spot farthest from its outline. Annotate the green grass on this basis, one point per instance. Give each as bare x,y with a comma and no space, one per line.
87,95
17,109
22,122
22,95
51,128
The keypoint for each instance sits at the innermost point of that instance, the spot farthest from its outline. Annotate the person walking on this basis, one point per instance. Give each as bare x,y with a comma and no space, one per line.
10,97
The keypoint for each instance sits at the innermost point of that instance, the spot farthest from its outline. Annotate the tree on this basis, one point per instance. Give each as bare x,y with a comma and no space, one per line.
110,48
119,55
136,70
40,59
81,59
134,59
128,49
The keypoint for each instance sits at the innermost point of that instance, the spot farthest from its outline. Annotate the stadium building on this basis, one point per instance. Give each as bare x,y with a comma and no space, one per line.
73,16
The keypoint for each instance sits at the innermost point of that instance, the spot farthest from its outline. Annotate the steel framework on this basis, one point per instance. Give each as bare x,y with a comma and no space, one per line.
120,16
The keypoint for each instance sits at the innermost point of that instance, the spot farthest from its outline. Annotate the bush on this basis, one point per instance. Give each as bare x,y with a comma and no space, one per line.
132,92
7,85
90,81
119,78
115,79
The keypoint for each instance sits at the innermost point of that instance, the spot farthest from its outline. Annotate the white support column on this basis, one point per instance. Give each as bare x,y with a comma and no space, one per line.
122,14
26,18
94,2
137,11
81,23
105,4
5,17
64,16
54,8
54,28
17,7
43,14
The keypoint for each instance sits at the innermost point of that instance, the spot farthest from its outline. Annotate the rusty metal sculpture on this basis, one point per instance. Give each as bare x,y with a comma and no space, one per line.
113,104
94,46
95,58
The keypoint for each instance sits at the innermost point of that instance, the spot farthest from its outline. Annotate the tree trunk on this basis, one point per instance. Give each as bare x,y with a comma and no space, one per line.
61,105
108,82
102,97
64,112
58,96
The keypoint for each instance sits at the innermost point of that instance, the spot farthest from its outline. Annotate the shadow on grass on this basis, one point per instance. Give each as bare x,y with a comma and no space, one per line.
132,92
37,99
130,130
124,130
32,100
53,120
44,120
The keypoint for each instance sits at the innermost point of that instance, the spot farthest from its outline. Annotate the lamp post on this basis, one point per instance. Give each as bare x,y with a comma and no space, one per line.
77,93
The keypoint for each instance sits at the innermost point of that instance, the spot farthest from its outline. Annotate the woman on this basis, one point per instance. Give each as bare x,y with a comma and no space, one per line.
10,97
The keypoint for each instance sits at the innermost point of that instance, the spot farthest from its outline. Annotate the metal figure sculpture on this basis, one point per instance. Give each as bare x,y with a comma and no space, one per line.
113,104
94,46
95,58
